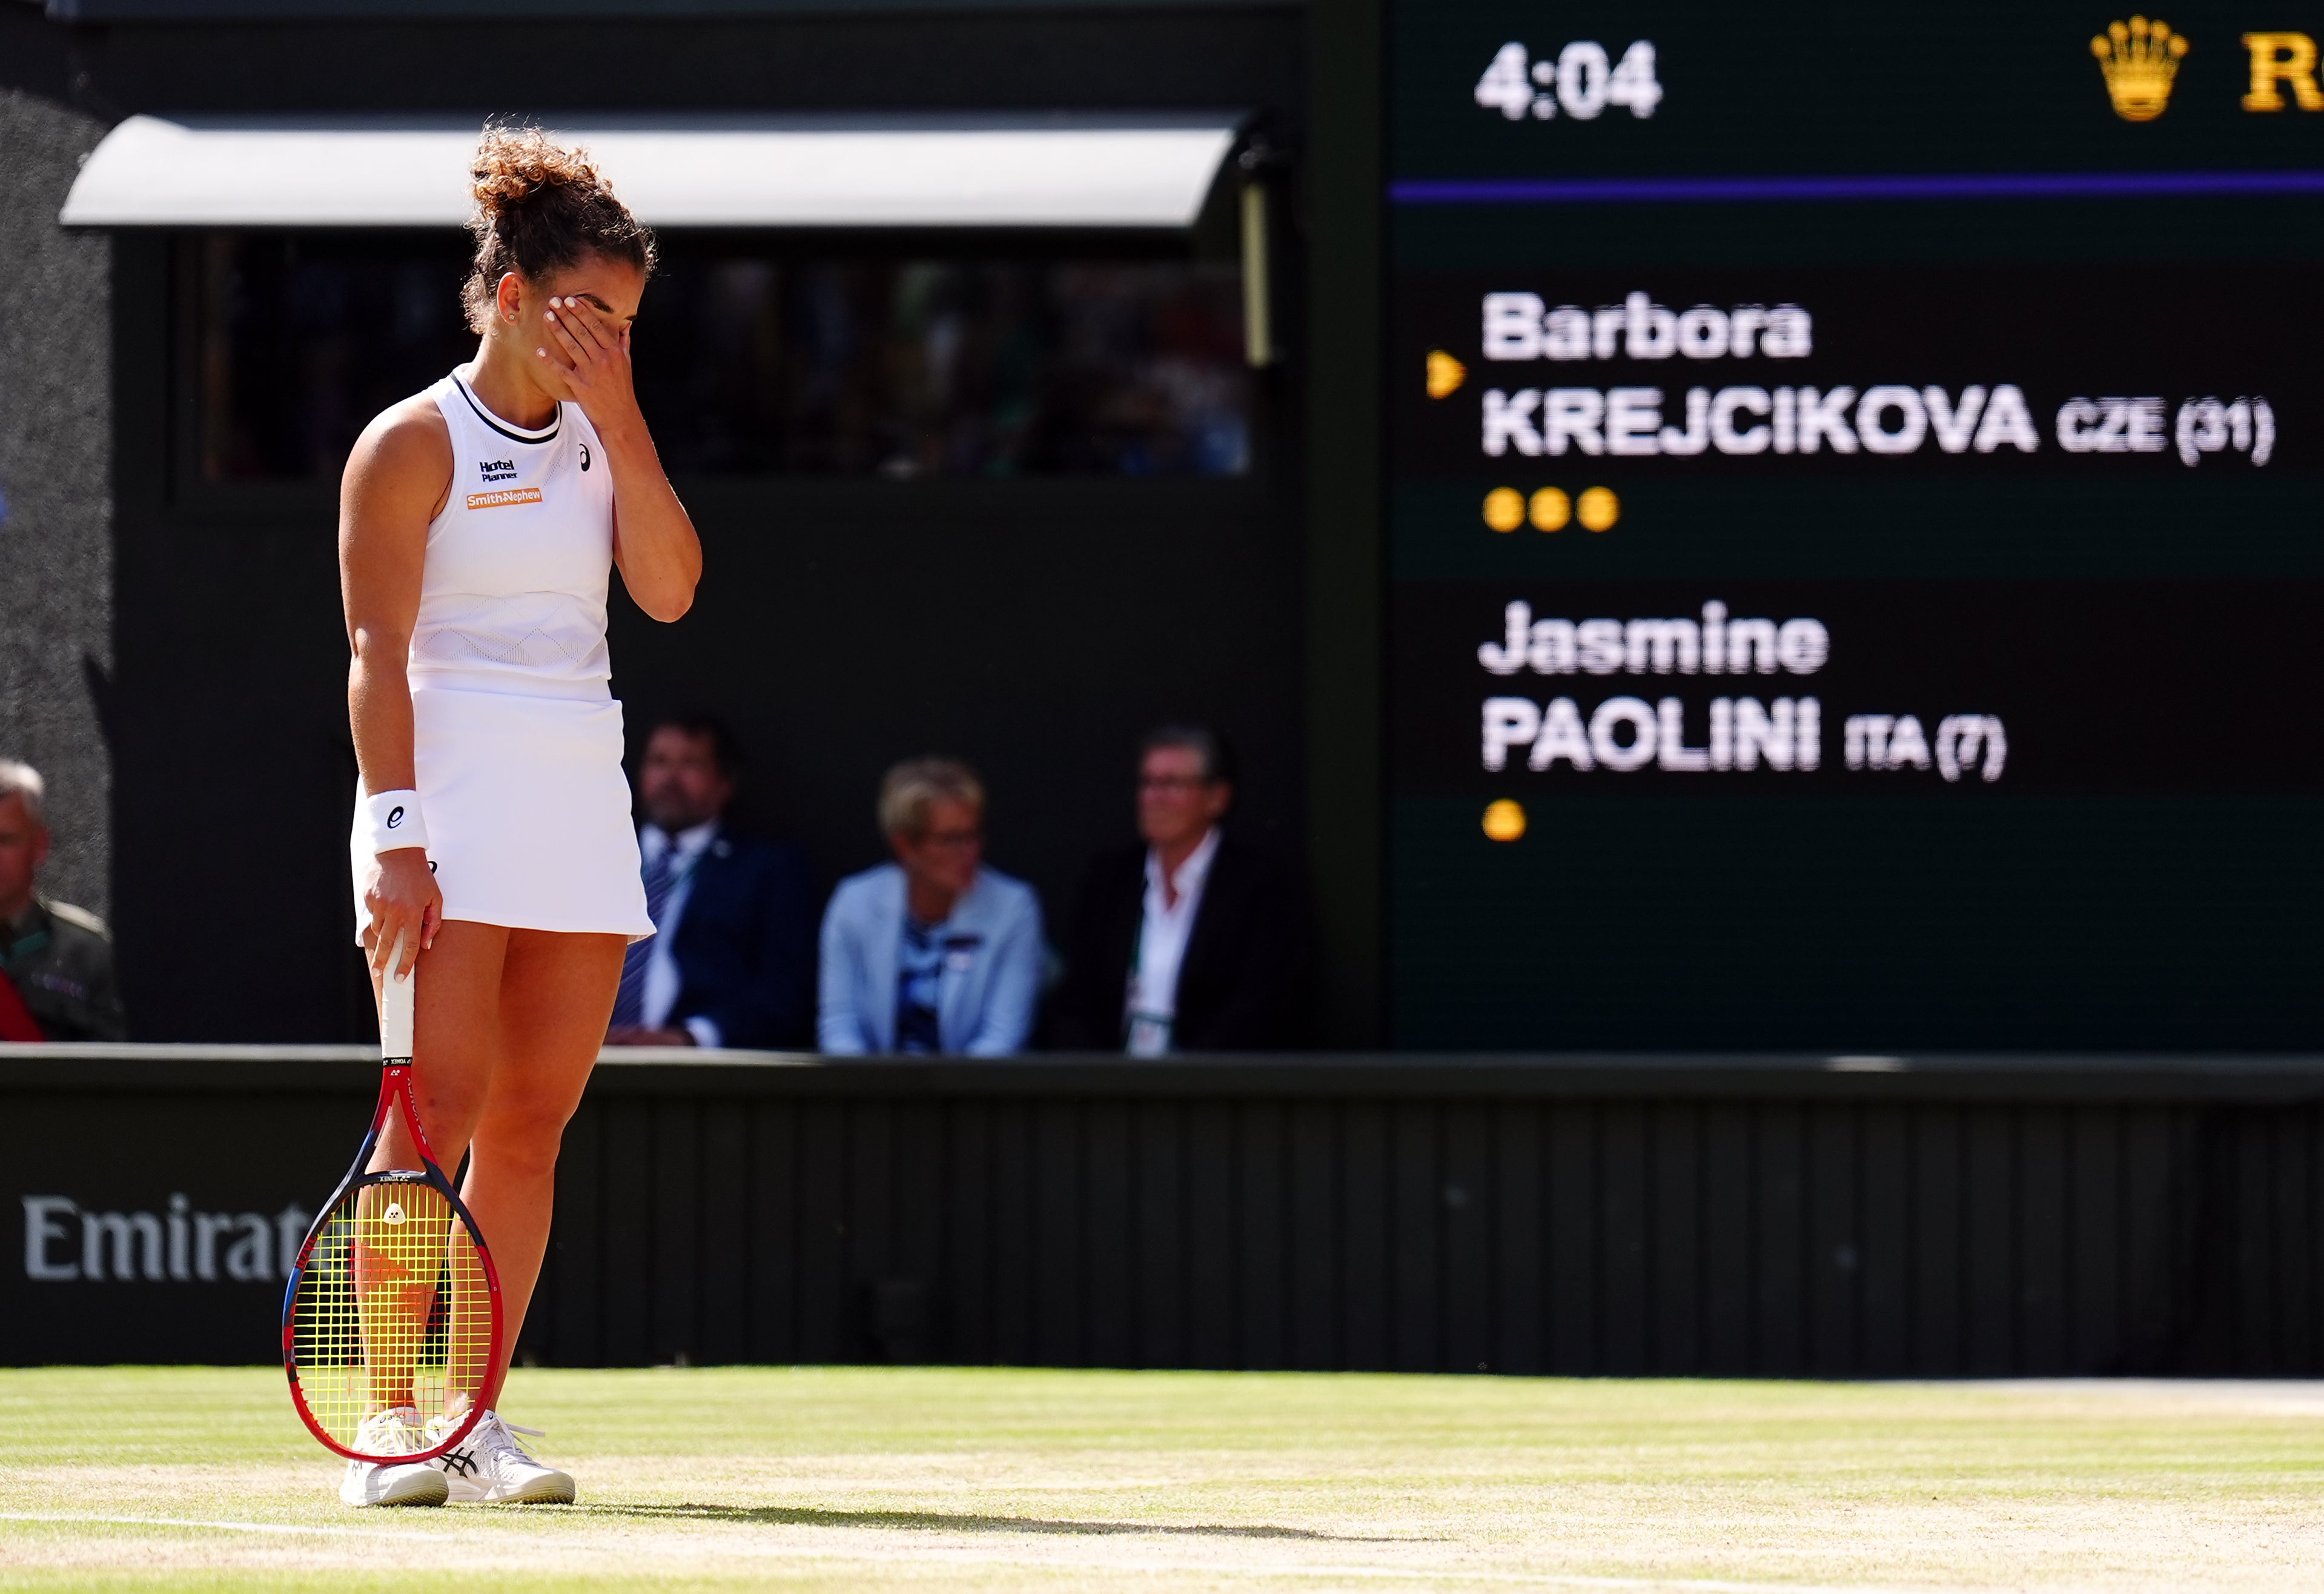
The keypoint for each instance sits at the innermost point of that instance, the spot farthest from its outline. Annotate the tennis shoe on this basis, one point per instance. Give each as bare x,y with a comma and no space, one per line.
491,1468
392,1483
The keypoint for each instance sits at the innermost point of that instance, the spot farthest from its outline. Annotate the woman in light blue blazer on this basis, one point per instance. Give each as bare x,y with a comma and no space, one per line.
934,953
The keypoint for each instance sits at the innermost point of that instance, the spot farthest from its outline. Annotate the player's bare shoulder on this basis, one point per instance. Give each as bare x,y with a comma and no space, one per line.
404,454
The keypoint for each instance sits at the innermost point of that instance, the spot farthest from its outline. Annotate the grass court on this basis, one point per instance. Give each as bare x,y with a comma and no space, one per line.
861,1478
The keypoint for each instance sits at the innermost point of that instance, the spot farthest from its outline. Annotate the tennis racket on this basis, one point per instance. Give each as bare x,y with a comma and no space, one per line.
393,1307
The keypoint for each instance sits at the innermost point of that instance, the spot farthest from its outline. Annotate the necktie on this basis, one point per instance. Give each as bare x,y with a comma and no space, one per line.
629,1005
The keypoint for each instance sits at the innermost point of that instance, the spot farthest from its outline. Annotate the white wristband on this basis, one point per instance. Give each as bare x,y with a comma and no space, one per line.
391,820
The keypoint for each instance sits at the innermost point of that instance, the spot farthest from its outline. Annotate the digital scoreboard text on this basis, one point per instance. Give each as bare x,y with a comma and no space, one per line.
1856,527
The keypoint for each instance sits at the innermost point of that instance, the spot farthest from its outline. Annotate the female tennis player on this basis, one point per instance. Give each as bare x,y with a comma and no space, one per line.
479,522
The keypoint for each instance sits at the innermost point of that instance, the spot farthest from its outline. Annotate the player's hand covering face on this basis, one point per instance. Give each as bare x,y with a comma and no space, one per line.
583,353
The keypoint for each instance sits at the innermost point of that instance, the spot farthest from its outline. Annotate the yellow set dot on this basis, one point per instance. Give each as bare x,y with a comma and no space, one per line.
1505,820
1550,510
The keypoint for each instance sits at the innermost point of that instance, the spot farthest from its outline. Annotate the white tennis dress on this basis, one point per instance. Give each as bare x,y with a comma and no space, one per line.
517,739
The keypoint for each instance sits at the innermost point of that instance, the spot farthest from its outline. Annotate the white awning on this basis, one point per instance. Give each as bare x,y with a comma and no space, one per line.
1043,173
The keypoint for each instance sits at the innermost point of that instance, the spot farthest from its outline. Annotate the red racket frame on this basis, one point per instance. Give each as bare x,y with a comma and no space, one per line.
394,1091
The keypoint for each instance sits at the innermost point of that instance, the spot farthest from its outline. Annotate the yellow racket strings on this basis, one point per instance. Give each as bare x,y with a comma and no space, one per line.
391,1313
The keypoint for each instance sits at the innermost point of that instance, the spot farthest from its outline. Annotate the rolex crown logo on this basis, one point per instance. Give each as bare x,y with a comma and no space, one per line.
2139,59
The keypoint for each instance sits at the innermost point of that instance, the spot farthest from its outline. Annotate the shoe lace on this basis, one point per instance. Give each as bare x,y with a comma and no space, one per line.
502,1437
440,1428
398,1428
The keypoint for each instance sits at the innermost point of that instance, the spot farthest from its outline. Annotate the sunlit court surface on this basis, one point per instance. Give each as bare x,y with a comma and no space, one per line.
856,1478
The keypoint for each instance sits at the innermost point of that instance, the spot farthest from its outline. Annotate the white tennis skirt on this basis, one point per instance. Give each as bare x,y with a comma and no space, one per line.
528,813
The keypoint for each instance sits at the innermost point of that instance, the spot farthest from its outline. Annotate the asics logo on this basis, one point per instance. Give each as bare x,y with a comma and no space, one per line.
461,1462
585,456
394,816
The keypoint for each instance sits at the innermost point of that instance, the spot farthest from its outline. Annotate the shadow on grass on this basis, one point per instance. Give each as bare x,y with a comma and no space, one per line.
947,1522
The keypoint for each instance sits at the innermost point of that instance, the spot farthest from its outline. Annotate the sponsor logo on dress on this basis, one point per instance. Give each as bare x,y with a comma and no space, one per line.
497,469
504,497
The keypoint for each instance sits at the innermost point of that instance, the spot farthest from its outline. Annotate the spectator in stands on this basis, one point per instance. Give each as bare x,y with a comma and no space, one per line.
732,959
1191,940
56,961
934,953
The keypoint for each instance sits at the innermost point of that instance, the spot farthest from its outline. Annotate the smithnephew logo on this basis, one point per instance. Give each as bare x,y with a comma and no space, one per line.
64,1243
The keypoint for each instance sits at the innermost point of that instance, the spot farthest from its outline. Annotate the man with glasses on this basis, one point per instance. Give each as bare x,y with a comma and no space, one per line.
933,953
1191,941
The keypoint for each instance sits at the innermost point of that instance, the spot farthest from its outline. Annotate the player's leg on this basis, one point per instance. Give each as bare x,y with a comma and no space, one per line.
556,995
455,1041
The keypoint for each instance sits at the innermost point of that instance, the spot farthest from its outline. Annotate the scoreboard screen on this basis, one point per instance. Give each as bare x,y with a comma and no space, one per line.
1855,526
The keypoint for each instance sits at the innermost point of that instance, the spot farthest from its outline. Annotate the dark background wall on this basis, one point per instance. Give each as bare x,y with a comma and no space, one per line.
1034,627
56,447
1632,1217
1343,167
1644,1215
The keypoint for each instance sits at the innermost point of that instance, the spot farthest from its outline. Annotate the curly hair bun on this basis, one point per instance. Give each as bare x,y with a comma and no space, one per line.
542,208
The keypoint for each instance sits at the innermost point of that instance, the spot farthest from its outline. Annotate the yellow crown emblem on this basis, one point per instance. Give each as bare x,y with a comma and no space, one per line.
2139,59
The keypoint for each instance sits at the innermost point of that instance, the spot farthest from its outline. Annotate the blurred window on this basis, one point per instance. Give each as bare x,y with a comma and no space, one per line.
751,361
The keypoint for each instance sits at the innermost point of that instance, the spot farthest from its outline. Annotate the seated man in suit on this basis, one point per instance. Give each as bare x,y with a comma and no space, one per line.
731,962
1190,941
934,953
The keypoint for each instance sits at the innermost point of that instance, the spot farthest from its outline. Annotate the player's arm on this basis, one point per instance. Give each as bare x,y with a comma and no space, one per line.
396,481
654,545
